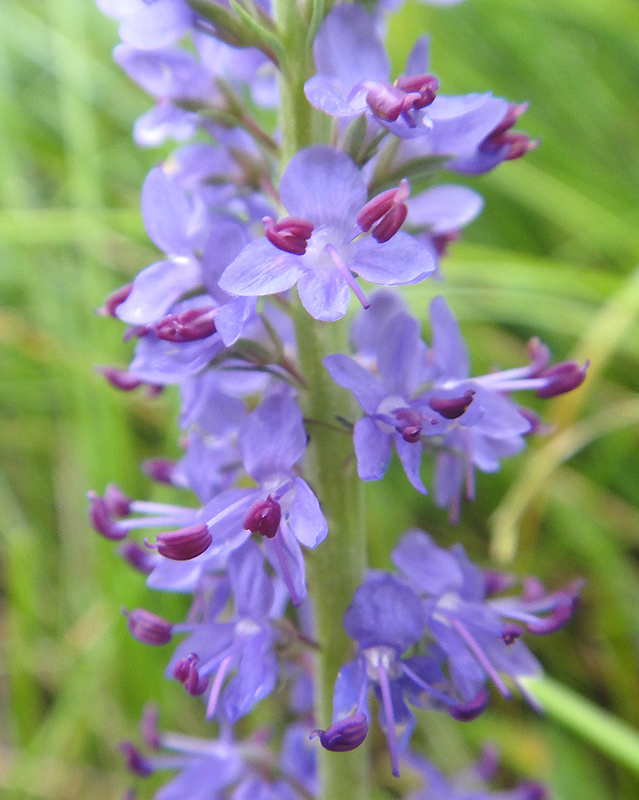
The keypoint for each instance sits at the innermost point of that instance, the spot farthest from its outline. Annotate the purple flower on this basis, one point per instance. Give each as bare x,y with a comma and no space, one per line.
283,508
390,416
354,75
149,24
385,618
323,187
469,784
243,644
216,769
477,634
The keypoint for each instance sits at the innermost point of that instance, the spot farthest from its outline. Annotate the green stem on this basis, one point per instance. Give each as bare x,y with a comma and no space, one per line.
336,568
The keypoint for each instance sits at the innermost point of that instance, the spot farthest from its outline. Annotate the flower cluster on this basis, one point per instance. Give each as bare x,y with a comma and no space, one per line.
256,257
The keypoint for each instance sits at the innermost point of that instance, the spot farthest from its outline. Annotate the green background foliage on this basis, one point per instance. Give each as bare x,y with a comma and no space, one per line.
554,254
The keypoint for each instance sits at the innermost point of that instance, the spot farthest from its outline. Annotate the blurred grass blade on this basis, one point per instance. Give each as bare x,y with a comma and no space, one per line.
601,729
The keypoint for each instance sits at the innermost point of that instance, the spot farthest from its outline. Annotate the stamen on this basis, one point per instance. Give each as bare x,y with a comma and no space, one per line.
388,209
135,761
452,407
190,325
263,517
286,572
481,657
344,735
100,517
466,712
347,275
423,86
387,703
410,425
562,378
114,300
183,544
119,378
159,469
217,687
148,628
290,234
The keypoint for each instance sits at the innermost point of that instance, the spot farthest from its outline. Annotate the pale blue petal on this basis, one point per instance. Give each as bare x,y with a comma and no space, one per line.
261,268
372,448
324,294
305,516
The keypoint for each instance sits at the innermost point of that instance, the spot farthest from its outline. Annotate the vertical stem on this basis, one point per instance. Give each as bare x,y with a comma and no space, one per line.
335,569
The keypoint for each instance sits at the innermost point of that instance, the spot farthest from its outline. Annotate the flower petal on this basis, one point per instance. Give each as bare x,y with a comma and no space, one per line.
305,517
372,448
324,294
323,185
261,269
401,260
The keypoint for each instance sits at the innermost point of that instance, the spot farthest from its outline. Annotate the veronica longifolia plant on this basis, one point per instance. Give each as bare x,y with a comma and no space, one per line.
287,405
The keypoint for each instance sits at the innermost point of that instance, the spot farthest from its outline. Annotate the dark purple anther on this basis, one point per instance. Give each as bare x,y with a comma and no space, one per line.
149,727
531,791
118,503
560,615
290,234
115,299
511,633
183,544
440,241
425,86
410,424
120,378
465,712
347,734
148,628
186,672
138,557
452,407
135,761
386,102
518,143
562,378
495,582
388,209
159,469
100,517
536,425
263,517
539,355
187,326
